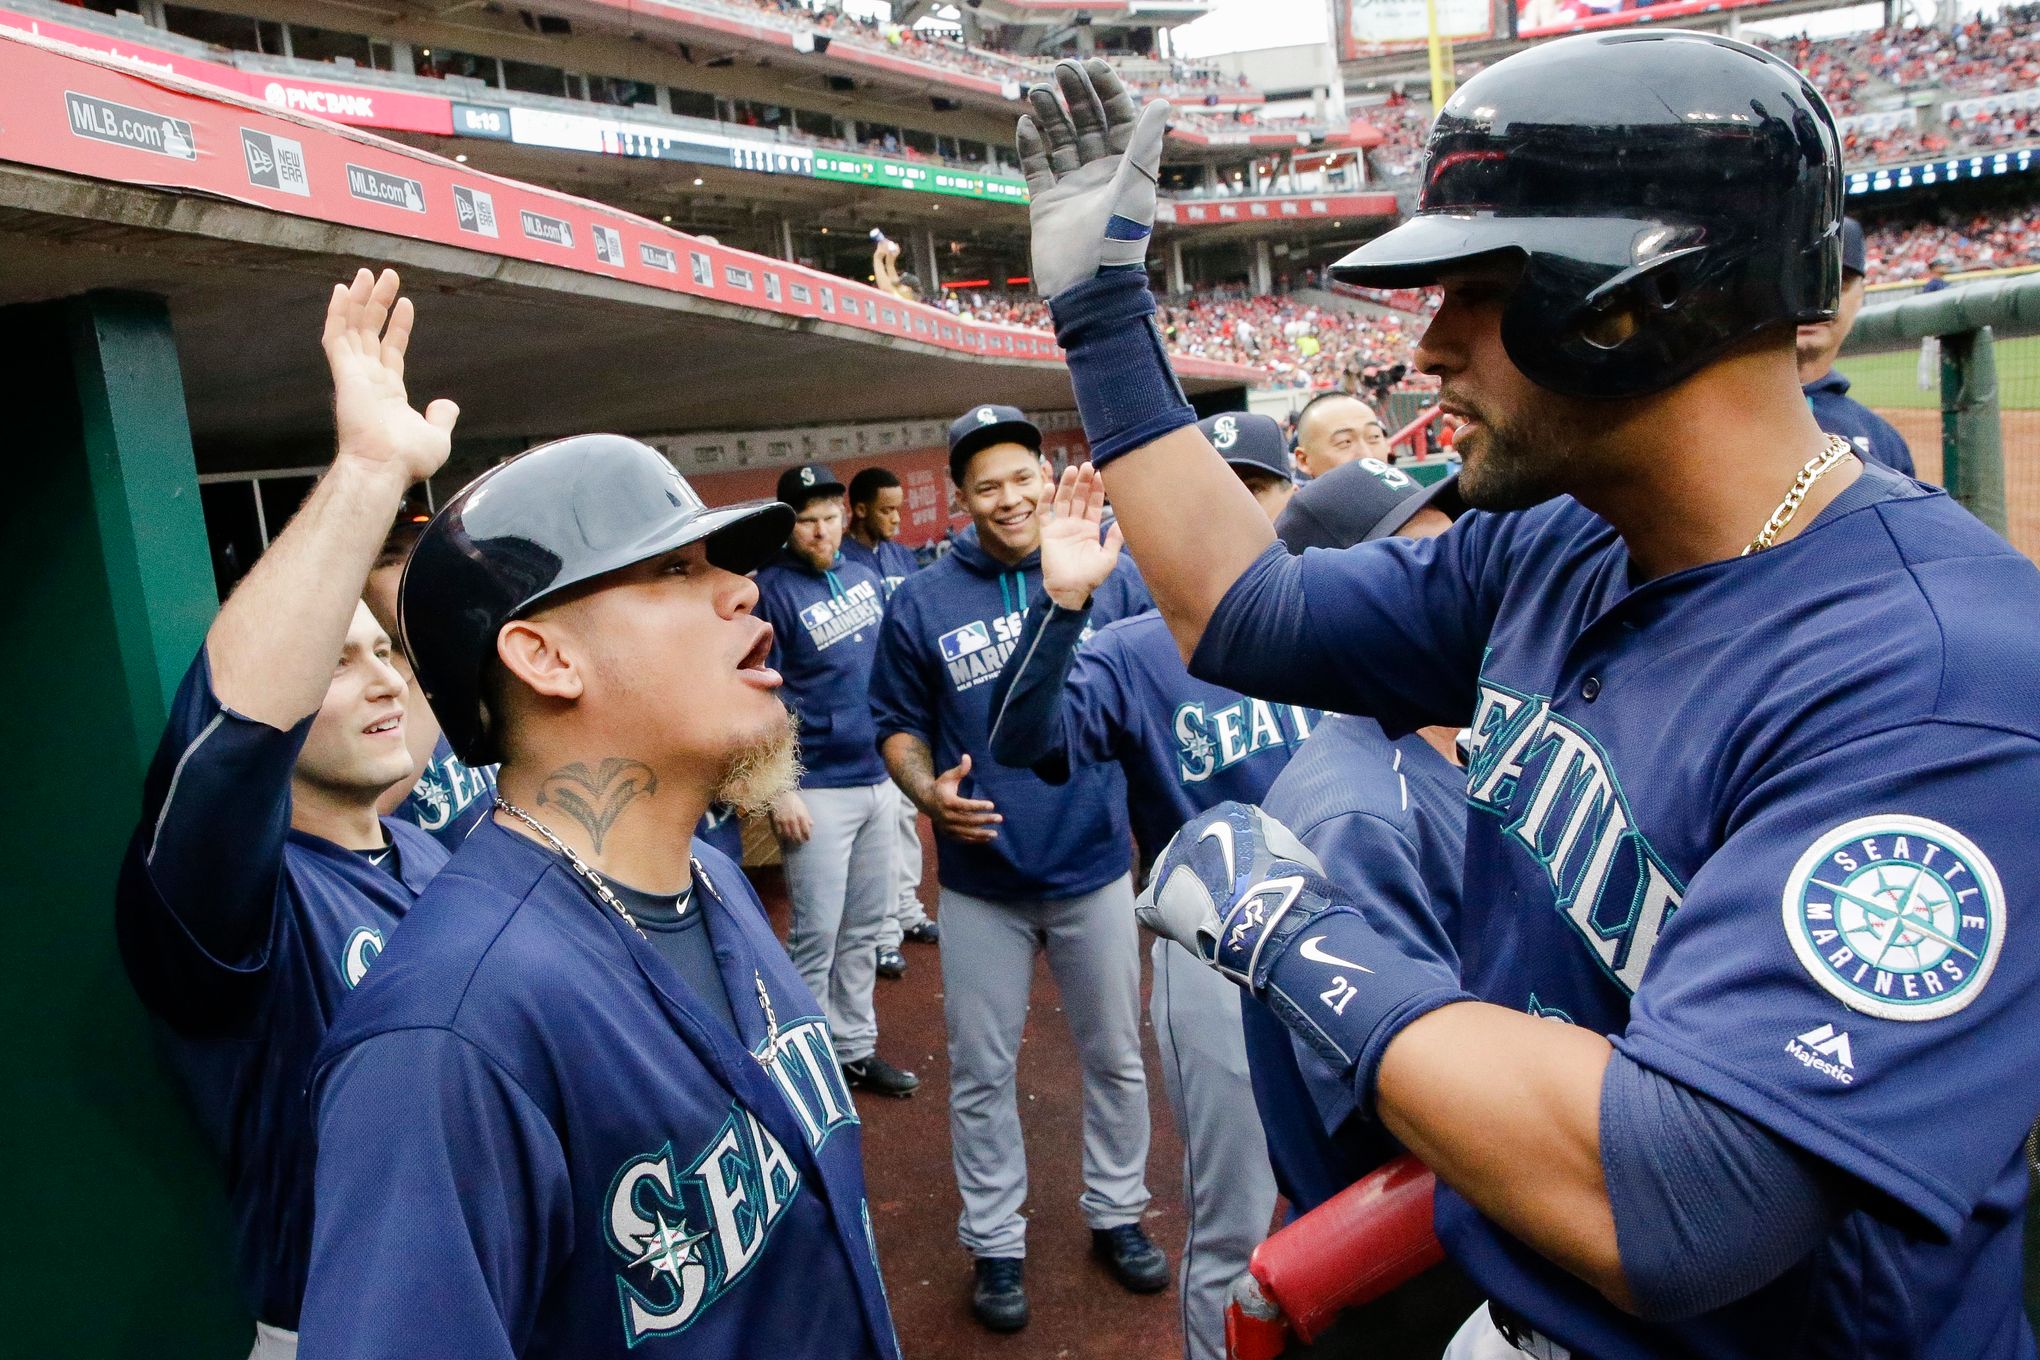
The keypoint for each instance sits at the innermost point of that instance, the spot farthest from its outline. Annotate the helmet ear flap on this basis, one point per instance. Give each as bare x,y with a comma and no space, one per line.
1626,336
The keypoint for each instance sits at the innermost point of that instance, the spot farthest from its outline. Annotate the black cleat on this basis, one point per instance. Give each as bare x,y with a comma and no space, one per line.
880,1077
1134,1260
926,932
891,963
999,1300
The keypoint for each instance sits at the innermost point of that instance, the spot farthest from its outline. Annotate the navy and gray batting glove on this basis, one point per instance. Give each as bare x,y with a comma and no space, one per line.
1238,889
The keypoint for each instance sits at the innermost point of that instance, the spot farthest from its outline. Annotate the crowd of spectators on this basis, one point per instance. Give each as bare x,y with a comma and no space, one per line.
1984,55
937,47
1300,344
1913,250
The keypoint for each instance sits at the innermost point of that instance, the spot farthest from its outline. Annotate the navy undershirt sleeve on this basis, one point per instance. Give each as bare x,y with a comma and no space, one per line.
1028,722
1709,1205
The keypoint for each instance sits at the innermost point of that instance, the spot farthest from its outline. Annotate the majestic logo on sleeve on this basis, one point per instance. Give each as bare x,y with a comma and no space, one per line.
1557,797
687,1234
1896,916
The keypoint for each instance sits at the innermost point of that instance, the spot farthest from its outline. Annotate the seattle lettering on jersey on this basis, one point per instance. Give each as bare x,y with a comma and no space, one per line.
830,621
688,1234
1210,741
446,788
1550,784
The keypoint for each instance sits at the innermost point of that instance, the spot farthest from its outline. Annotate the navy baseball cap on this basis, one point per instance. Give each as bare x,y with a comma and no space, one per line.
1249,443
983,426
1853,259
809,481
1356,502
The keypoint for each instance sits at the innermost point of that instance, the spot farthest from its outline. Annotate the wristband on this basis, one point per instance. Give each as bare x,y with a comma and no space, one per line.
1346,992
1126,392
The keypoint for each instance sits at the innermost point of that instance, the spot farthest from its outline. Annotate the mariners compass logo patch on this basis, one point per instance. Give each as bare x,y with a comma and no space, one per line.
1896,916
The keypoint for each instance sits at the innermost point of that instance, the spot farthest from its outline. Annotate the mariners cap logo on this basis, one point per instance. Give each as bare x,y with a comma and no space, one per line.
1896,916
987,416
1225,432
807,476
1389,476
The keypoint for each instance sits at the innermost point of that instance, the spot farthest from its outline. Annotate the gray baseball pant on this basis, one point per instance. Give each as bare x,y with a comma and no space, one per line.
988,953
907,911
841,883
1228,1184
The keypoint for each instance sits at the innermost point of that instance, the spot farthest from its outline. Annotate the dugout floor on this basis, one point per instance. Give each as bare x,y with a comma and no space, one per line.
1078,1312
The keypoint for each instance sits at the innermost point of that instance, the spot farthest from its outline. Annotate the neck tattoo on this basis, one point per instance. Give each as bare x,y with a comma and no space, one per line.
596,797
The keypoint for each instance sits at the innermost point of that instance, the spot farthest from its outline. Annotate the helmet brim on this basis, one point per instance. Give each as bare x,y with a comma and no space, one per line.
741,538
1414,254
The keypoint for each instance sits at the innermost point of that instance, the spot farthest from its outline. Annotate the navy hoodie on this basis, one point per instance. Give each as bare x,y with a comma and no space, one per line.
948,632
824,636
893,562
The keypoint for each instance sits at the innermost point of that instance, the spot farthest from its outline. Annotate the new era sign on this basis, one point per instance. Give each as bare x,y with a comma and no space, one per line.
275,163
474,210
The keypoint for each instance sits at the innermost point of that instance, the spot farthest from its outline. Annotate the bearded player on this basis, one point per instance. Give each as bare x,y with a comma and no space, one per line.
593,1106
1736,1064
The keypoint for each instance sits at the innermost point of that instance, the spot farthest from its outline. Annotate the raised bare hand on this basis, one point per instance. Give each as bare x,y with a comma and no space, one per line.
368,330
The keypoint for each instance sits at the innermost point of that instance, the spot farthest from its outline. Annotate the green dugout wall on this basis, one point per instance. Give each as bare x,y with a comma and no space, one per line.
114,1214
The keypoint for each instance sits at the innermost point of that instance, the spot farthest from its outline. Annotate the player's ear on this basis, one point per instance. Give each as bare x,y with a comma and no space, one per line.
535,654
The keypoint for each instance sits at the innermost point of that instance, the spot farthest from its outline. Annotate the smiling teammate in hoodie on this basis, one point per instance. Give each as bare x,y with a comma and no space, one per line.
1022,866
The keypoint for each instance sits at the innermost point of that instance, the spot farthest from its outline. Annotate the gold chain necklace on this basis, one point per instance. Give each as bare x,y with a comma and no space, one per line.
1816,467
609,898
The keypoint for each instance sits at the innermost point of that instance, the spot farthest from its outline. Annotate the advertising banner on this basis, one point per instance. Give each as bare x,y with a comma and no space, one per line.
1367,28
1541,18
79,114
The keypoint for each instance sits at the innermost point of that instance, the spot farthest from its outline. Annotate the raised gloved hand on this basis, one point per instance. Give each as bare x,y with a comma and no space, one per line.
1091,174
1240,891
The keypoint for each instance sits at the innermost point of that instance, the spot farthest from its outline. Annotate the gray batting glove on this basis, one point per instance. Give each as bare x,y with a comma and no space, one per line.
1090,175
1224,885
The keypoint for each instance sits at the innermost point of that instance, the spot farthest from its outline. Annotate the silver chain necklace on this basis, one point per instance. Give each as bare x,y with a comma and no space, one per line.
615,903
1816,467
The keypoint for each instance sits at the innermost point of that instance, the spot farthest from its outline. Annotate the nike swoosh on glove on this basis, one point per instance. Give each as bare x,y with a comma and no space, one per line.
1091,175
1225,884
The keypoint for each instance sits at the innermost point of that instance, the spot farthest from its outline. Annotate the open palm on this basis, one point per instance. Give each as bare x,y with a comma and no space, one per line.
368,329
1075,561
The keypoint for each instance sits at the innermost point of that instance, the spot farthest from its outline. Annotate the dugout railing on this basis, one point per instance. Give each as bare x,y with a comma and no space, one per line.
1972,354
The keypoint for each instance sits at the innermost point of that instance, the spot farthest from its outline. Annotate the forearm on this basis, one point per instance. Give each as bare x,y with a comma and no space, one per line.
275,641
1028,720
912,767
1516,1132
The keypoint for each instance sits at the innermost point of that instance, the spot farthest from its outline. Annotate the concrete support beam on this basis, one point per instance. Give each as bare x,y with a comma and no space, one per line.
1261,270
928,262
1176,281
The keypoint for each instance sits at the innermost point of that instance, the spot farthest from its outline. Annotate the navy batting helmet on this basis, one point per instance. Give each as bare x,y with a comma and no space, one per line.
550,519
1669,194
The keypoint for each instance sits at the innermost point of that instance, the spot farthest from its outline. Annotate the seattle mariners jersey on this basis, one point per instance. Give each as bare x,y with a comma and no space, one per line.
1760,821
1184,745
948,632
1872,436
1387,819
535,1140
215,842
824,636
450,797
890,562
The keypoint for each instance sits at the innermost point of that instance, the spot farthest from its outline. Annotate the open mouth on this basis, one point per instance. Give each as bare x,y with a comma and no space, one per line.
383,727
751,666
1015,519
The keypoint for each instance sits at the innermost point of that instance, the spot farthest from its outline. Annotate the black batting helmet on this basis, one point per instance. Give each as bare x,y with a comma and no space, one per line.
550,519
1669,193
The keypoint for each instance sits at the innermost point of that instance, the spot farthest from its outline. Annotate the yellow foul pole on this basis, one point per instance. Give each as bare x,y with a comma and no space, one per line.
1442,82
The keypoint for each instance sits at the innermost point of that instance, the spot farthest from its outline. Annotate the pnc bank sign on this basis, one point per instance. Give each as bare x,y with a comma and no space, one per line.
325,103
